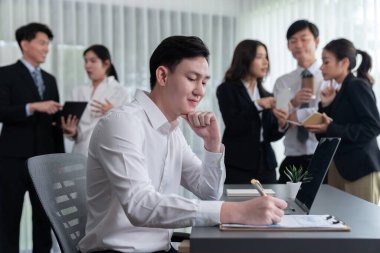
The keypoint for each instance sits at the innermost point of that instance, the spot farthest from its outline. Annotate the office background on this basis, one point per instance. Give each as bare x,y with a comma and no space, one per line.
131,29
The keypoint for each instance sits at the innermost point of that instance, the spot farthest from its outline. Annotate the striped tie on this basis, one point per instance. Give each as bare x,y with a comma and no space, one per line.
37,77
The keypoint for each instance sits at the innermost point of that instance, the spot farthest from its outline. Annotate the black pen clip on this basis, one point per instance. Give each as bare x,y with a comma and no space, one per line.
334,219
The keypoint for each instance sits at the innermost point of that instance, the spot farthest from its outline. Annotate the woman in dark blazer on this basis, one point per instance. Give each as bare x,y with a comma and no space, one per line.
355,118
250,125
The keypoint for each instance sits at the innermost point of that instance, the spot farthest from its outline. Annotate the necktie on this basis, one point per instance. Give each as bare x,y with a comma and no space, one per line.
307,82
37,77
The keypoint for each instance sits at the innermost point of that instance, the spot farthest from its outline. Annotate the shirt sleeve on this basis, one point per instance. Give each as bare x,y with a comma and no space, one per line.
204,179
121,140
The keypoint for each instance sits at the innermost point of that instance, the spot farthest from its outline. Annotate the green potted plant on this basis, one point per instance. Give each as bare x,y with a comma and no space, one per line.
296,176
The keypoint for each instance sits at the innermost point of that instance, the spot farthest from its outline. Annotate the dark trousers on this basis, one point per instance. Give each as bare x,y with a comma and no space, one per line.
297,161
14,182
259,171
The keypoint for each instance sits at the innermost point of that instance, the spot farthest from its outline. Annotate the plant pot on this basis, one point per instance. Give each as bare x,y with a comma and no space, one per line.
292,189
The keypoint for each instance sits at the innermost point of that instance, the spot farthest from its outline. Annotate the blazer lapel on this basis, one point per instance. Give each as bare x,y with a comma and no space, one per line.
243,91
47,92
340,95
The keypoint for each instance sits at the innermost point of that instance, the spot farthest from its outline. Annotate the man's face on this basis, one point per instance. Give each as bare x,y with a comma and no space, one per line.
302,45
185,86
35,51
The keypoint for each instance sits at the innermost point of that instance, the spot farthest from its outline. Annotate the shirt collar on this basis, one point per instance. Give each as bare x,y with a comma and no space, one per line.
154,114
313,68
255,88
29,66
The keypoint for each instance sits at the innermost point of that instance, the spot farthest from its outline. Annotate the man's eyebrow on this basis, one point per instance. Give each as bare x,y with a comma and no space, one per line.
199,75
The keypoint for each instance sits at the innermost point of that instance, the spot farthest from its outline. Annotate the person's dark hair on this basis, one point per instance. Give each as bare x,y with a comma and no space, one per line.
244,54
343,48
172,50
300,25
103,54
28,32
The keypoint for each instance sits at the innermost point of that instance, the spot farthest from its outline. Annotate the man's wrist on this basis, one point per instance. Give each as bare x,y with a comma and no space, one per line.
73,135
31,108
214,147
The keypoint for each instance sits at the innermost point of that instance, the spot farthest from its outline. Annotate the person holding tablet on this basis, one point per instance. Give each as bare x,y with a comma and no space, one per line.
103,93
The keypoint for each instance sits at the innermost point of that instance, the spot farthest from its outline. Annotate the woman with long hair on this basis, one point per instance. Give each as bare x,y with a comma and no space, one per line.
250,124
103,93
350,112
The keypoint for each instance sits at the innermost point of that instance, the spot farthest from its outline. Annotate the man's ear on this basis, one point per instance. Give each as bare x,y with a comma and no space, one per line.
316,42
24,45
162,75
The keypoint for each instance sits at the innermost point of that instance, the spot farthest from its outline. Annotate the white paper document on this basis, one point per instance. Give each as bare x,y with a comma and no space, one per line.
247,192
296,222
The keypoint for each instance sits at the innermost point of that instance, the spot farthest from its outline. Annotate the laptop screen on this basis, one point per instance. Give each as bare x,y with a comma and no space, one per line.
318,167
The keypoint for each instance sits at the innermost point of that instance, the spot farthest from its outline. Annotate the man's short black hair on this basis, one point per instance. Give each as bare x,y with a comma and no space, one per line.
172,50
28,32
300,25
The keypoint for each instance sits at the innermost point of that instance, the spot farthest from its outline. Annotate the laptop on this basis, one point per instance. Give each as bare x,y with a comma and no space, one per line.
318,167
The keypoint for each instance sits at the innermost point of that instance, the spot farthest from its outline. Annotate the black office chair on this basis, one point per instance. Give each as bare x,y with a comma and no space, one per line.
60,183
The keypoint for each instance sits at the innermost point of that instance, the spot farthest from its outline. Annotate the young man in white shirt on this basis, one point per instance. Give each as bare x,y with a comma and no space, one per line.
303,40
138,158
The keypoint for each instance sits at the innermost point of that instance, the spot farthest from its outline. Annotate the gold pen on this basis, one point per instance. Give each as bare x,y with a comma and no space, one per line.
258,186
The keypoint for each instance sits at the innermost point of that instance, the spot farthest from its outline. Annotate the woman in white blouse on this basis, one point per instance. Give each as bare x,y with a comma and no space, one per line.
102,93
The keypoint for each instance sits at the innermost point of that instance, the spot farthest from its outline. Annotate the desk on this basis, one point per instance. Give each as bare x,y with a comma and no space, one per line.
362,216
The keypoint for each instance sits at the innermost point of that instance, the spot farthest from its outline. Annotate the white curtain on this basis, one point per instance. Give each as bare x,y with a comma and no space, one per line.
131,29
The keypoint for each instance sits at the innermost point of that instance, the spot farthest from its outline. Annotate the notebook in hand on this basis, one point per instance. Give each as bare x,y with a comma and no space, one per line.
313,119
318,167
74,108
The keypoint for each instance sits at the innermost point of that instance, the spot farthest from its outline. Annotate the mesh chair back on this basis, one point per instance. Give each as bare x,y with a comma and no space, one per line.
60,183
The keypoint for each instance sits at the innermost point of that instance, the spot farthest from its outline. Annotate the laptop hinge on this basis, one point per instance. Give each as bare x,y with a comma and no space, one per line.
302,206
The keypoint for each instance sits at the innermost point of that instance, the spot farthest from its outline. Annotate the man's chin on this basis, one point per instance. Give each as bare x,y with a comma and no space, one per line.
188,111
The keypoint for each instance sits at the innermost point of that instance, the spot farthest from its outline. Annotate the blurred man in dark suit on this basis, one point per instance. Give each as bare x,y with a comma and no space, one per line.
28,99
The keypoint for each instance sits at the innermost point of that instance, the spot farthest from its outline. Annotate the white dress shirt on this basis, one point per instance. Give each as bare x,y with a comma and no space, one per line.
109,89
293,80
136,164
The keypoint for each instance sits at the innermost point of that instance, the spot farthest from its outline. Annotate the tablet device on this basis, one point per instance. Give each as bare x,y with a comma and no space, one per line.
71,107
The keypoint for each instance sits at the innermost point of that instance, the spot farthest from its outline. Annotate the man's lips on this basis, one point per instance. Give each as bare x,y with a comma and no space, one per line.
193,101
